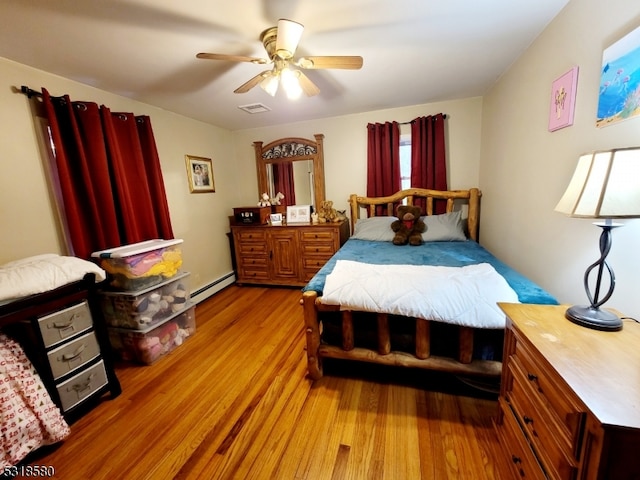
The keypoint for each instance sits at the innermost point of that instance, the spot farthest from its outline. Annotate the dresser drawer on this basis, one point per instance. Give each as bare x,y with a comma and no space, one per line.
519,455
324,249
316,234
254,262
82,385
554,450
248,274
73,355
545,389
314,263
250,248
65,323
252,235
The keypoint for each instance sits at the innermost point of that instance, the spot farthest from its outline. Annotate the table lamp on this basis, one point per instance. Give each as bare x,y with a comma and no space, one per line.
605,185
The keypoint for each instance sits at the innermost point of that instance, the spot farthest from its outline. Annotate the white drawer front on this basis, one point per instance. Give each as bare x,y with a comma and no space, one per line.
82,386
73,355
63,324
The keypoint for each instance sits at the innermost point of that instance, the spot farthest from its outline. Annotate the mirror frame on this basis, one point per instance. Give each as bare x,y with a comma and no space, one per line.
292,149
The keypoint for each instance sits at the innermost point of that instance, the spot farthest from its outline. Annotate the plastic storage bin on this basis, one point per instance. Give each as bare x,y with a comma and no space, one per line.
144,308
147,346
141,265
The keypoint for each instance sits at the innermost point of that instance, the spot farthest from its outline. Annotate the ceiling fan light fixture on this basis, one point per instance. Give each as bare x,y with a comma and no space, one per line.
290,84
288,37
270,84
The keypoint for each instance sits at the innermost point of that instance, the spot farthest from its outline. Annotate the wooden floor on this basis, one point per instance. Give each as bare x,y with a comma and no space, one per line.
234,402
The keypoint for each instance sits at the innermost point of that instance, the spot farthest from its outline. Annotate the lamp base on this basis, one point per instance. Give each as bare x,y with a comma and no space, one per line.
595,318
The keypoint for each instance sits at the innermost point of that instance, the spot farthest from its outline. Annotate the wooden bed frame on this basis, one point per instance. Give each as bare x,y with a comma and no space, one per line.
462,362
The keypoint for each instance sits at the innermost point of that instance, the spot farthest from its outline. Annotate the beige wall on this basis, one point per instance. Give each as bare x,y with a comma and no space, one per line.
525,168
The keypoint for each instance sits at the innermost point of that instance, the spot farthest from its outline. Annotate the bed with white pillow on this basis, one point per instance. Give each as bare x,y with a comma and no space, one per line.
432,306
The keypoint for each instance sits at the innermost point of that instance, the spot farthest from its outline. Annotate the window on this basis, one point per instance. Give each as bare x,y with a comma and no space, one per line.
405,161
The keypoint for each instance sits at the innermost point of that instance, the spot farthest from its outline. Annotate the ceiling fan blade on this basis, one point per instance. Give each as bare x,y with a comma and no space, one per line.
288,37
232,58
245,87
308,87
342,62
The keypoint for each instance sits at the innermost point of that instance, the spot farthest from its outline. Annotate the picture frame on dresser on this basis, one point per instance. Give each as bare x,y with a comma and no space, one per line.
298,214
275,218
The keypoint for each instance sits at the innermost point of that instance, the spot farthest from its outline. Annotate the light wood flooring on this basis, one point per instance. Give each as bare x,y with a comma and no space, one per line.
234,402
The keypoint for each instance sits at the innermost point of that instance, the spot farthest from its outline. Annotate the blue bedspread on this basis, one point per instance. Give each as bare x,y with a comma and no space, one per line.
448,254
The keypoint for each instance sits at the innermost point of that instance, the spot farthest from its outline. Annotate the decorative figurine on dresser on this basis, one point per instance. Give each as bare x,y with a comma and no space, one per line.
269,249
48,305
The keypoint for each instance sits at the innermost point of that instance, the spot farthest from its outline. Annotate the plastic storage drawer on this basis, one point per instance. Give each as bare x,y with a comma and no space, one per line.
148,345
140,265
144,308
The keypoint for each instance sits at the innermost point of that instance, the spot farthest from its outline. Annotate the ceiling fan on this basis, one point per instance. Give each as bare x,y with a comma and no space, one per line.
281,43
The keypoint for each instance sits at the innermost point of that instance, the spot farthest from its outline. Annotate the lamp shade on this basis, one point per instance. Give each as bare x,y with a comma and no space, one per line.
289,33
605,184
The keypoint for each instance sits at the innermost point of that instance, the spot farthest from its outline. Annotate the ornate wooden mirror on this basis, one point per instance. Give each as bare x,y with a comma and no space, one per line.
300,160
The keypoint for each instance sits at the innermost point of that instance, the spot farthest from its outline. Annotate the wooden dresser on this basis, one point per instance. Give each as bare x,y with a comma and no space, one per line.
569,405
284,254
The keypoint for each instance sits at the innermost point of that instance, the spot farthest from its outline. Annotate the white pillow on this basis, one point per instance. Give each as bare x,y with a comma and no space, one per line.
446,227
377,229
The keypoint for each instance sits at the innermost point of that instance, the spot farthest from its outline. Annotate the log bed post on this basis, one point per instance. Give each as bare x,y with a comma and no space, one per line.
423,338
465,344
312,332
347,330
384,340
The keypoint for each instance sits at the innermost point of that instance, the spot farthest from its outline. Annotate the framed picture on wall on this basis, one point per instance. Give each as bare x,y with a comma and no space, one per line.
200,174
619,81
563,99
298,213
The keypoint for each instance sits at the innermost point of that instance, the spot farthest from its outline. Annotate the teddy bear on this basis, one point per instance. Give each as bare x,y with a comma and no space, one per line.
264,201
408,227
328,214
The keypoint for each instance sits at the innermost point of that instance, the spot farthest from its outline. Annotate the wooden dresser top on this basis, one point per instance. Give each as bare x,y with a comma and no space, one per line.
601,367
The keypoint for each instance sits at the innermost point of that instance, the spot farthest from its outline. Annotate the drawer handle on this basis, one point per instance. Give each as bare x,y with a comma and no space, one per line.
68,324
67,357
527,419
79,387
317,250
532,377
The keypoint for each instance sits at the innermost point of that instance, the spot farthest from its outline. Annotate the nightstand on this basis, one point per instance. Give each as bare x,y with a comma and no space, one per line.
65,338
569,405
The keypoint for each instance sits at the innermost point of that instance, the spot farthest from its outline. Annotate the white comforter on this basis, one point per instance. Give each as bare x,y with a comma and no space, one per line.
458,295
42,273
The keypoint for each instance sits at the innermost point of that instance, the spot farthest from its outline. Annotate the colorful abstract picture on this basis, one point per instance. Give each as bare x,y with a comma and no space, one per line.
563,99
619,96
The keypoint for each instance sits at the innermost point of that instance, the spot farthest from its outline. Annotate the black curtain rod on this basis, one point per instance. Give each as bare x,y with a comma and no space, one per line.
444,115
29,92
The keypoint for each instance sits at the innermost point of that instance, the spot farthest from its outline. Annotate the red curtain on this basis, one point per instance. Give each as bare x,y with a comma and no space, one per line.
428,159
109,174
283,181
383,160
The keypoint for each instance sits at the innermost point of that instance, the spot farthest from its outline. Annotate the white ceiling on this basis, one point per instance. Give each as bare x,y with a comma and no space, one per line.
415,51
